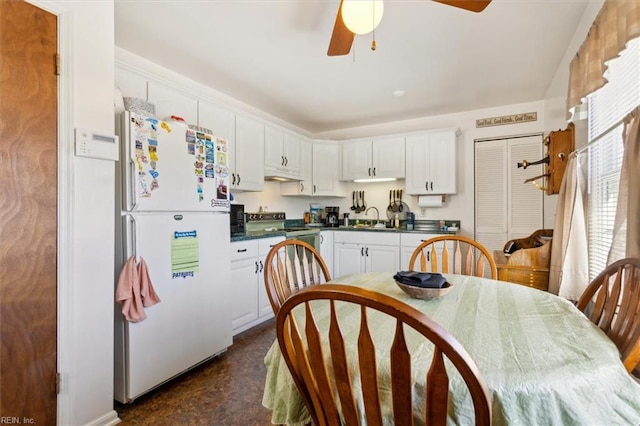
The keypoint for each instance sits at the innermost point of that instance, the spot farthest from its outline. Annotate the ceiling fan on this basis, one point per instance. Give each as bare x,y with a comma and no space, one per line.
342,37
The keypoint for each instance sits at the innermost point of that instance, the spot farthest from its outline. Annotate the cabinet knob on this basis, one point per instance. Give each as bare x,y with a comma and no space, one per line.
256,268
374,171
238,178
369,171
261,266
301,187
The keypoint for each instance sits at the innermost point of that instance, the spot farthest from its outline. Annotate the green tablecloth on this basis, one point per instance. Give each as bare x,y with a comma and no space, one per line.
542,360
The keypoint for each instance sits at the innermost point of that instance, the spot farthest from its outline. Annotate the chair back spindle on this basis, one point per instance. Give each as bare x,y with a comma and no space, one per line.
290,266
435,253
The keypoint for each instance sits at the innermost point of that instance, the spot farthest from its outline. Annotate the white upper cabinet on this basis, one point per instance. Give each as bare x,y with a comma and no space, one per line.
356,160
305,186
281,153
431,162
326,170
131,84
221,121
170,101
248,172
370,159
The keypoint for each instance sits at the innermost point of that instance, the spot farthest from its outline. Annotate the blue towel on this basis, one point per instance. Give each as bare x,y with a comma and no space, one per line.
420,279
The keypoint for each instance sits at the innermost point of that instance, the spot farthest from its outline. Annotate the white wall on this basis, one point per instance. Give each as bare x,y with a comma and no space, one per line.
86,215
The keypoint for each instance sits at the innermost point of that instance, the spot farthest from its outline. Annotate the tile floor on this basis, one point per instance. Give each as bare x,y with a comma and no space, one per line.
225,391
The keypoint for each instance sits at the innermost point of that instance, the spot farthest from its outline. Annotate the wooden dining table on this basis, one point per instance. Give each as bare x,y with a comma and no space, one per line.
542,360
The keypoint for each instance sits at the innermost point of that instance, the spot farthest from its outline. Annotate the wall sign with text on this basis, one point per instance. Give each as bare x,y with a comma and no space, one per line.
507,119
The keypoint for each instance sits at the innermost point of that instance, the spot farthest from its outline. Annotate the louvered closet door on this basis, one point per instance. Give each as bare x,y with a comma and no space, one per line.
525,200
491,193
506,207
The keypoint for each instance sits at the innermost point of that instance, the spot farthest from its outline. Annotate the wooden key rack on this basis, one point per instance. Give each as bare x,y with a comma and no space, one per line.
560,144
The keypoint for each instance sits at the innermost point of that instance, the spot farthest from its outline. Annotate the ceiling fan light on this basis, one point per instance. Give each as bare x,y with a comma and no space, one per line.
362,16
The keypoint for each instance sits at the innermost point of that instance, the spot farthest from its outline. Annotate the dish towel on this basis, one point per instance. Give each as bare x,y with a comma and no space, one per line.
420,279
135,290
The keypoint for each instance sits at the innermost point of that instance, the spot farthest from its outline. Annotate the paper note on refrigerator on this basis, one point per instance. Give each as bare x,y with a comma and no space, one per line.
185,254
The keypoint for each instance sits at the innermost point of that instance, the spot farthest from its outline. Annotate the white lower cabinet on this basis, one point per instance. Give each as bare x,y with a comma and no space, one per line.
326,249
410,241
359,252
250,304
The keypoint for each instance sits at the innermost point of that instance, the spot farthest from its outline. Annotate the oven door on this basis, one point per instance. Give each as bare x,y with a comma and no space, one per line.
309,236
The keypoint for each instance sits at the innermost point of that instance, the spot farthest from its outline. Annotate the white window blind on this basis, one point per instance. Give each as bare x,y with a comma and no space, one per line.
608,106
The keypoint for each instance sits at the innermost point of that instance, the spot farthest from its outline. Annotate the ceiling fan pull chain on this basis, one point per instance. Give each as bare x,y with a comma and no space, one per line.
373,32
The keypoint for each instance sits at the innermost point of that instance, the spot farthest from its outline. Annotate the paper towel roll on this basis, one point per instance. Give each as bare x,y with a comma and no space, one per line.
430,201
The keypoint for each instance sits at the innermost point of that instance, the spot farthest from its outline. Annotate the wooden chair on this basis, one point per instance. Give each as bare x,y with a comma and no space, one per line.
435,253
292,265
612,302
326,380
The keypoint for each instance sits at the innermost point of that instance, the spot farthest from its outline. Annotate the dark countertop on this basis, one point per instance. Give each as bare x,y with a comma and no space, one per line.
346,229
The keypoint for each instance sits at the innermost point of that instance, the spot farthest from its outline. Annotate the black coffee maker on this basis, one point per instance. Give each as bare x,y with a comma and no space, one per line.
332,216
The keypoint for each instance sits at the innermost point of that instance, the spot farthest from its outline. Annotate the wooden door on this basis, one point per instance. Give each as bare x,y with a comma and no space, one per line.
28,213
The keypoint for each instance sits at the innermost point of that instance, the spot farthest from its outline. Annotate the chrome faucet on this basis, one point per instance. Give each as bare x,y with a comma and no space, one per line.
377,213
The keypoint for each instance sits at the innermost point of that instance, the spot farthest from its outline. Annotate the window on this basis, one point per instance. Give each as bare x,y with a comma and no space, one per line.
608,106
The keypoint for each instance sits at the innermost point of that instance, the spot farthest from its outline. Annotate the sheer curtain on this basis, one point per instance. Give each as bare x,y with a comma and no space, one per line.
568,270
626,229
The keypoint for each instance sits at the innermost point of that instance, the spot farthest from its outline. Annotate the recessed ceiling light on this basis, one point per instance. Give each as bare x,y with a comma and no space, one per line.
398,93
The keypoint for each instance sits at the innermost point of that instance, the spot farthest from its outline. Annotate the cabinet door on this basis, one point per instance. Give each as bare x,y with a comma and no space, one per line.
170,101
131,85
305,186
381,258
291,153
356,160
417,164
249,154
388,157
221,121
244,292
326,169
274,148
264,306
326,249
348,259
442,162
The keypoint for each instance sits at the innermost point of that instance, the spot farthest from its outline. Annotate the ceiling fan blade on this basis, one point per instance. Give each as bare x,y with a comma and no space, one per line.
341,38
472,5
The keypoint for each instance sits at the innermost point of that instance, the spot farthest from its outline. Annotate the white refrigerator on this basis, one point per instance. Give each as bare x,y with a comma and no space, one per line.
173,212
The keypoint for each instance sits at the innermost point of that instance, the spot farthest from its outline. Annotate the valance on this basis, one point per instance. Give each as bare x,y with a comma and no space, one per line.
617,22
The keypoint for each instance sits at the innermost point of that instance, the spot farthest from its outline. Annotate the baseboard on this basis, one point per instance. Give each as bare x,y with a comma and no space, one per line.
109,419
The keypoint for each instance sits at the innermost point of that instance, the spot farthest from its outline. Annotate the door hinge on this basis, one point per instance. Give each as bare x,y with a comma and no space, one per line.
57,64
58,383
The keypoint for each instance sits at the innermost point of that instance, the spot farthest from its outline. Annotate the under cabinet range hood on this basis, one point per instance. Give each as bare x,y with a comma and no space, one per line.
281,176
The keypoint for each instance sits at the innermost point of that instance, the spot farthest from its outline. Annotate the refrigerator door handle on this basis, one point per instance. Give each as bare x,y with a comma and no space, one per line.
134,238
133,197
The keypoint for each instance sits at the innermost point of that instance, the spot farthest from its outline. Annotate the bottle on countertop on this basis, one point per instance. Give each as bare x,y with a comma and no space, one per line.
396,221
410,221
346,219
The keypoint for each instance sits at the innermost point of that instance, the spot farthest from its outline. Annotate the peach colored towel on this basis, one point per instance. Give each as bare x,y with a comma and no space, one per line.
135,290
